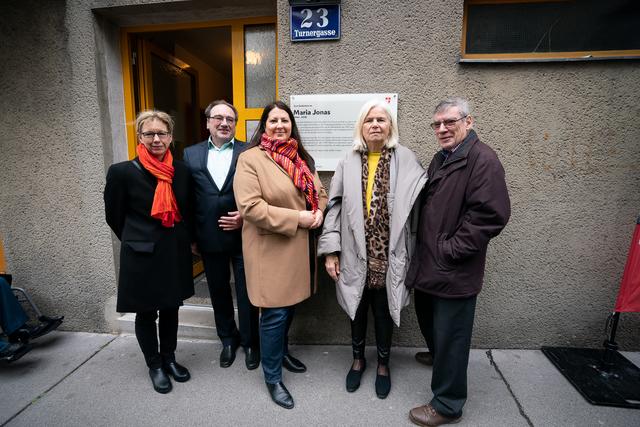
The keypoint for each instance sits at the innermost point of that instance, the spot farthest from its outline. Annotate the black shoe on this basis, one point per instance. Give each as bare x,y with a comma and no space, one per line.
177,371
383,385
292,364
160,380
251,358
14,351
280,395
354,376
425,358
228,355
20,336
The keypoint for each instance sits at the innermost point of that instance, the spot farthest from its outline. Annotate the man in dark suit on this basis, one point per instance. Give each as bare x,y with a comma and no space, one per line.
218,229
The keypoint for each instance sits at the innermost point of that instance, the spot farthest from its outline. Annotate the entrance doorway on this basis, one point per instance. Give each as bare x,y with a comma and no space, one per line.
181,68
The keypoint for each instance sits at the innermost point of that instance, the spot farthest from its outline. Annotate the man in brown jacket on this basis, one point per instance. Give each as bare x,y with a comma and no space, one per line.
464,205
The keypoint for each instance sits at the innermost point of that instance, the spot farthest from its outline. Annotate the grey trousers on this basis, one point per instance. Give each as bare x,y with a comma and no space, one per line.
446,325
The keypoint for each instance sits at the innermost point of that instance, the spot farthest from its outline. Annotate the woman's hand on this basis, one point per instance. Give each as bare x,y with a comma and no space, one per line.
306,219
332,264
318,219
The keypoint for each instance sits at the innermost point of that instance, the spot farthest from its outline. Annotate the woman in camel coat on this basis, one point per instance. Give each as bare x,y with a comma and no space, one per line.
281,199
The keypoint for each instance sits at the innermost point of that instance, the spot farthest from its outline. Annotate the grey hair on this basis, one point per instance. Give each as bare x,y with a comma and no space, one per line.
359,144
461,103
144,116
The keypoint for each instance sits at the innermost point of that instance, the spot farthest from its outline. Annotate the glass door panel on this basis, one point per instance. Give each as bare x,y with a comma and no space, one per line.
173,88
260,65
251,125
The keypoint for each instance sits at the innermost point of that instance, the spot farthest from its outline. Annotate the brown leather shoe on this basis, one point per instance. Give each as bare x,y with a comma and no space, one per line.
425,358
427,416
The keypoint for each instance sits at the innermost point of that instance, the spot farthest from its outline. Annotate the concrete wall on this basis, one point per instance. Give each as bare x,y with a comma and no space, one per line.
565,132
51,166
62,125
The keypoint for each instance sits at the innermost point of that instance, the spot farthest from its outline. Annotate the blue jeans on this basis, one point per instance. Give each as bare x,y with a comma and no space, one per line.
274,329
12,315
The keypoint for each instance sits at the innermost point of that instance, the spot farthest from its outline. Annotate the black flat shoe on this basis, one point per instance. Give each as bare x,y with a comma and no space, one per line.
383,385
251,358
292,364
228,355
14,351
177,371
160,380
354,376
280,395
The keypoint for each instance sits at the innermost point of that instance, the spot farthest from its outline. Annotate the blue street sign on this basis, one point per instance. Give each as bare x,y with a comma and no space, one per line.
315,23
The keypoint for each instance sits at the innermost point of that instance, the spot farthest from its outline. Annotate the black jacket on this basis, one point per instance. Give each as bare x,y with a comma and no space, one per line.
464,205
155,261
212,202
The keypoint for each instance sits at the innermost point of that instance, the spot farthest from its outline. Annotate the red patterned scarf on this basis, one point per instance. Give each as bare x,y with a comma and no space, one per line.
165,207
285,153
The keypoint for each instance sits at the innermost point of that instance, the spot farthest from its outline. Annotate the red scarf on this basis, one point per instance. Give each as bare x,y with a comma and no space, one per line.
285,153
165,207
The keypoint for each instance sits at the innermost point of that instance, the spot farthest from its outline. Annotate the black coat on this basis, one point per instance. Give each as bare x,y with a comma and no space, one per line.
155,261
212,202
464,205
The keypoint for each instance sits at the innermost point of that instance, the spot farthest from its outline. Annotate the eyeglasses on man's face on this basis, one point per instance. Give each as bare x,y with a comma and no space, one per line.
449,124
150,135
219,119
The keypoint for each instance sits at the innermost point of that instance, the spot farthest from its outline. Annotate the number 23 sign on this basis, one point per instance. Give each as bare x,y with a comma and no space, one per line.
315,23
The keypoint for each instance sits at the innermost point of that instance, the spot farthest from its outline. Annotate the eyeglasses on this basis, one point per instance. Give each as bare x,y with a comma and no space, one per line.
151,135
219,119
447,123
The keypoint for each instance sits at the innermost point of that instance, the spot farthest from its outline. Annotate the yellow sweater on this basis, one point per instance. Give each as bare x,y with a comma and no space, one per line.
372,159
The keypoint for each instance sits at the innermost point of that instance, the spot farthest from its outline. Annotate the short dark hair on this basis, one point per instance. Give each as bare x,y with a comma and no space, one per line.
295,134
207,110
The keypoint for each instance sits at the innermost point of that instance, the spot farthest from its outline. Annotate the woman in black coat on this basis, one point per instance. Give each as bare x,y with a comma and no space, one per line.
148,207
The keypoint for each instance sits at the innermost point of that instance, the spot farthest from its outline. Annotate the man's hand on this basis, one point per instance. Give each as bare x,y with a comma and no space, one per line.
231,222
332,264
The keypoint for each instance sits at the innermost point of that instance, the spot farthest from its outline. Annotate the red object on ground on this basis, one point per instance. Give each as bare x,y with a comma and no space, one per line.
629,294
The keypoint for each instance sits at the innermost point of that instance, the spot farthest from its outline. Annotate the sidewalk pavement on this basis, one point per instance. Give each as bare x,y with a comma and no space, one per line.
84,379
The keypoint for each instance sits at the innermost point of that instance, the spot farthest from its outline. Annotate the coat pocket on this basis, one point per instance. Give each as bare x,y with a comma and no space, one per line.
440,256
142,247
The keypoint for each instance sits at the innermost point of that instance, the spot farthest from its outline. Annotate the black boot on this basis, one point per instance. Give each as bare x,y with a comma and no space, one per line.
280,395
160,380
177,371
292,364
14,351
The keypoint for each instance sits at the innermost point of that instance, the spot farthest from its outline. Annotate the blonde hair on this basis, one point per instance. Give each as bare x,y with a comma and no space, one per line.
144,116
359,144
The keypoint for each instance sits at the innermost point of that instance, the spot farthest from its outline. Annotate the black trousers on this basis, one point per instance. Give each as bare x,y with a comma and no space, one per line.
377,300
447,325
148,336
216,266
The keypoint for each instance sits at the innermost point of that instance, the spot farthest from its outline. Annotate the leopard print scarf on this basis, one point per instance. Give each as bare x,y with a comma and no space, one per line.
376,224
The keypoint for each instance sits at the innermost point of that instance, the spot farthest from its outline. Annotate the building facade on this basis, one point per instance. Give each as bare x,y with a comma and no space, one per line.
74,73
